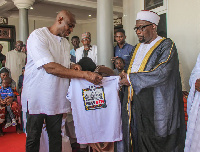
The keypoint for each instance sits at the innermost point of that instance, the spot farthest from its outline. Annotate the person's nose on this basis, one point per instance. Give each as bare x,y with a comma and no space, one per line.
138,31
71,29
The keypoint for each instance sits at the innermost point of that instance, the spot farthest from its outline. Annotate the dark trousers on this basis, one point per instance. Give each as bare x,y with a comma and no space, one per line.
34,130
9,114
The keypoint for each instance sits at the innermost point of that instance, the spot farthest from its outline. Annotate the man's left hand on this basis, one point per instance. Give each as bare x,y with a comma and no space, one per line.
124,81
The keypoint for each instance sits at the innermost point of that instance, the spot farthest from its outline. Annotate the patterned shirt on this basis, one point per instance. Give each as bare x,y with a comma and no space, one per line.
5,92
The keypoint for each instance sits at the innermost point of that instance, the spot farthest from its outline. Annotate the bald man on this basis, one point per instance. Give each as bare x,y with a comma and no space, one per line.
46,81
15,61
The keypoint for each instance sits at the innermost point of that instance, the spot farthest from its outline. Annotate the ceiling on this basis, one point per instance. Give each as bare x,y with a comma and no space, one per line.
47,9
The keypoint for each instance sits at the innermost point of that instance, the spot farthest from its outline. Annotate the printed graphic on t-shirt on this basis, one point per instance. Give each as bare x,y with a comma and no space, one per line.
94,98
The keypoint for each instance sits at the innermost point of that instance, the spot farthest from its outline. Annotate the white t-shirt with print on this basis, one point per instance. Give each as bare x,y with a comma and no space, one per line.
96,110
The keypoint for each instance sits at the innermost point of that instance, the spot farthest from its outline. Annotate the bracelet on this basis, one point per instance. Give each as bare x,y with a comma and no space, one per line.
97,69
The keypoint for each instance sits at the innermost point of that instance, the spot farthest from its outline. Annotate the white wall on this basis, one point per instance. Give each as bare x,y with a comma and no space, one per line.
130,9
33,24
184,29
78,30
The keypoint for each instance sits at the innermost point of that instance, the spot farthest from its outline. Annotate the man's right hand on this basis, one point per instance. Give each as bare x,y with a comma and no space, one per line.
197,85
113,59
93,77
123,75
124,80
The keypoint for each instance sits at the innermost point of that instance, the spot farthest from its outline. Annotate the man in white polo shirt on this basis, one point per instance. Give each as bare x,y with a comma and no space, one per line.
46,81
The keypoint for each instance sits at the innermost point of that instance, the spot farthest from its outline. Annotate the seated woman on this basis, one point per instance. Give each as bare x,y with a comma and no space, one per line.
4,72
6,99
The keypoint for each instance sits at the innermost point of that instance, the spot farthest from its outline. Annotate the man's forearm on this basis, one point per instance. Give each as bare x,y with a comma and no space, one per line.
61,71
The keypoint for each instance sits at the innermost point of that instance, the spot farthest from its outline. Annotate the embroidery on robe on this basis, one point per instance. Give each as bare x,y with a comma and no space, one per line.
94,98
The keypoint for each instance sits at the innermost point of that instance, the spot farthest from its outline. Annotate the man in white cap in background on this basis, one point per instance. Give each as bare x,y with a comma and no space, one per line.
87,50
154,92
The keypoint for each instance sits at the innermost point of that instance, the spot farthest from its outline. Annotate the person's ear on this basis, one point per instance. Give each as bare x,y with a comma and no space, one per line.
154,26
60,19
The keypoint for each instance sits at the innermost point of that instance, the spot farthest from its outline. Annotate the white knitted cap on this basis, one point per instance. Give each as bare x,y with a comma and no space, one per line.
148,16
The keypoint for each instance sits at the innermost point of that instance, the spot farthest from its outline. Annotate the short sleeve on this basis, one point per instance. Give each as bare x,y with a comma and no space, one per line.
69,93
38,48
95,54
117,82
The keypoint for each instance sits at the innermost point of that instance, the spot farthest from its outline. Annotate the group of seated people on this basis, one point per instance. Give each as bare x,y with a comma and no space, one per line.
10,110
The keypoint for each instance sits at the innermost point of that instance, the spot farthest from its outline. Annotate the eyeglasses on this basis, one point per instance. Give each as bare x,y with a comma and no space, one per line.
71,25
141,28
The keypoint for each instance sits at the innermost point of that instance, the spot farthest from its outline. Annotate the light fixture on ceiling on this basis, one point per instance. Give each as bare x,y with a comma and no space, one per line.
31,7
89,15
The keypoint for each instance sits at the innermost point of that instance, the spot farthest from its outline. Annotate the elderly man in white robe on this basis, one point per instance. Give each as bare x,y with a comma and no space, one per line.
156,114
15,61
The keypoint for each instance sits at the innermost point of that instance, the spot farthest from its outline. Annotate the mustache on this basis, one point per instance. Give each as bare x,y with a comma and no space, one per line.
140,36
